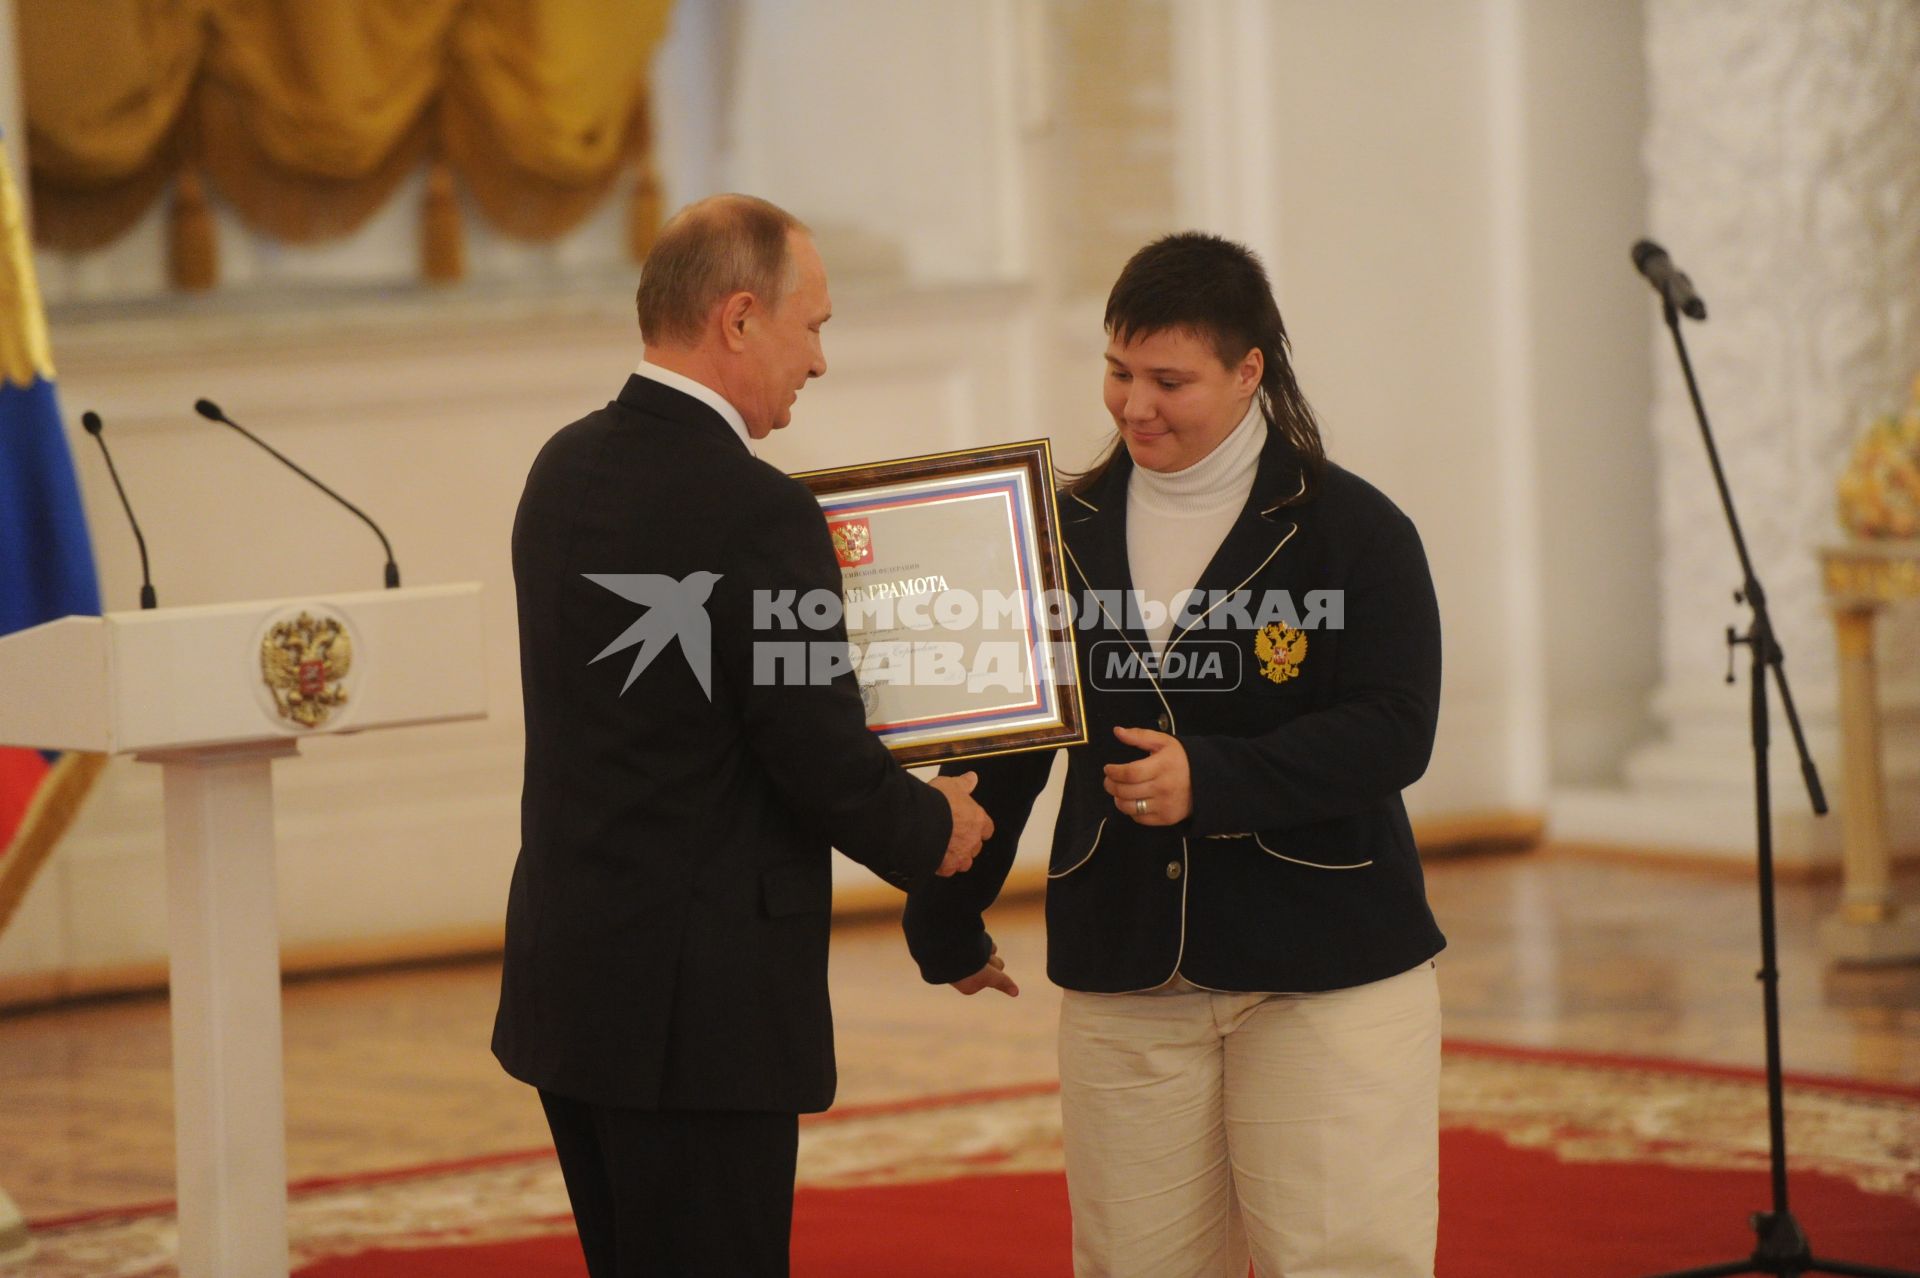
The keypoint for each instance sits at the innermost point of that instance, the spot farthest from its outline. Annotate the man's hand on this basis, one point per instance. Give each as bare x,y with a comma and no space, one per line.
971,824
991,977
1161,779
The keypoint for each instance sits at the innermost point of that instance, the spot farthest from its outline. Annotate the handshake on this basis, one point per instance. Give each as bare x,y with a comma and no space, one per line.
971,824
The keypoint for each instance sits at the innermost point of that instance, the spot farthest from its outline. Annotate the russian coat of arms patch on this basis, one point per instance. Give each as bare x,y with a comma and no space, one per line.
1280,649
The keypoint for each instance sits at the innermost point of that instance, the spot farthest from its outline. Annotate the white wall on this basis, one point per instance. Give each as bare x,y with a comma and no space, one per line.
1591,381
1783,156
1384,210
1451,194
825,88
693,79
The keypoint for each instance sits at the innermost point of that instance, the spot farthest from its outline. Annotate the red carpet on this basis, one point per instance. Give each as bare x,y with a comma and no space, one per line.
1552,1166
1505,1213
977,1227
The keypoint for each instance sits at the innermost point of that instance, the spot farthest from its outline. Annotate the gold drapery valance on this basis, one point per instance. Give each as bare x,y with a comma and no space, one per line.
305,115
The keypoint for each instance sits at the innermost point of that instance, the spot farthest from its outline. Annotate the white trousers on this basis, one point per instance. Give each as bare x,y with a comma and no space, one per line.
1300,1131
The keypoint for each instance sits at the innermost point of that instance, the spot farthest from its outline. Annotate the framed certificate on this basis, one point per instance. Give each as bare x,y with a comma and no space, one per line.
954,597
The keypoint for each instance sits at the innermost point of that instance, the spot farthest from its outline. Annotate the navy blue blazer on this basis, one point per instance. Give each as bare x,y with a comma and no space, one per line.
668,920
1305,705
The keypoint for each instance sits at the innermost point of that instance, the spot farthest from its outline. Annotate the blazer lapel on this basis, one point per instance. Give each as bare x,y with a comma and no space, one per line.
1094,532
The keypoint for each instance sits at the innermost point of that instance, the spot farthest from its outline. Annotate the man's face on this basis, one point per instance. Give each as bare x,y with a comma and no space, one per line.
783,343
1172,399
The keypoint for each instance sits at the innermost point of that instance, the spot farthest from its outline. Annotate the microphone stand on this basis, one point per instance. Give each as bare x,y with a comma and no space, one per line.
211,411
1782,1247
90,420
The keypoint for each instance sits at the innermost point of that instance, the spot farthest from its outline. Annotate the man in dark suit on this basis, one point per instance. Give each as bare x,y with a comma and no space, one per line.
665,984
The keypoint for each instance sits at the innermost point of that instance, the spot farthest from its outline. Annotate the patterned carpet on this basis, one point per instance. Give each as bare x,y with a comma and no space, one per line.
1587,1155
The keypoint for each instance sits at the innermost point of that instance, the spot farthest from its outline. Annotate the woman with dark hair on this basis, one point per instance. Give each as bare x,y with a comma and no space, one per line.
1250,1028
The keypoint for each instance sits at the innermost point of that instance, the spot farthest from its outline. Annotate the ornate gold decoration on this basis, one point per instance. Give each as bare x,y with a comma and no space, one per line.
1876,577
303,662
1281,649
1879,492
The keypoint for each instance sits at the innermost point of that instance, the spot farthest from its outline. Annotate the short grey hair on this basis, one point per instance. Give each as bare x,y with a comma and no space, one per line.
708,251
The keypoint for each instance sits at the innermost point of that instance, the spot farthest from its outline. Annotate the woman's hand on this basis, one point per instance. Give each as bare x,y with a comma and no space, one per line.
991,977
1161,779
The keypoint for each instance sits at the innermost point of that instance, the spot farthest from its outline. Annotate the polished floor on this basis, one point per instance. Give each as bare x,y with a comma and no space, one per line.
391,1069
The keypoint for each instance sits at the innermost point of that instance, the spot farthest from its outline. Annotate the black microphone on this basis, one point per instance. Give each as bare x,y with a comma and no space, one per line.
91,420
211,411
1668,280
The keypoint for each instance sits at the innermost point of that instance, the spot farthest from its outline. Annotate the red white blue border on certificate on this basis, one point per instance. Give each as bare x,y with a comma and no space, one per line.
1048,712
1012,489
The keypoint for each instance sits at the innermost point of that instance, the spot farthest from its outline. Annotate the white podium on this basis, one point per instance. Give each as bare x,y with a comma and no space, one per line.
213,695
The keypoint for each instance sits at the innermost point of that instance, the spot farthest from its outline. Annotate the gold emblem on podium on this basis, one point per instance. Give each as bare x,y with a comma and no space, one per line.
302,662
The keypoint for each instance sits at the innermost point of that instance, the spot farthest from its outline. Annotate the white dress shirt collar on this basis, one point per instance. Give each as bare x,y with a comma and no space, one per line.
700,391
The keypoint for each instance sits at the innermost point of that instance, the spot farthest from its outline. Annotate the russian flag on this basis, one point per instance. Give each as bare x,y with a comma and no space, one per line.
46,556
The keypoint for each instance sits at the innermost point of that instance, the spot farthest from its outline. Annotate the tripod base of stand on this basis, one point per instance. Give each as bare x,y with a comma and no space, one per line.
1784,1250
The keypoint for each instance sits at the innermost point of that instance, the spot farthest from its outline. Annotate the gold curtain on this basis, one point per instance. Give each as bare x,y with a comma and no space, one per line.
306,114
106,85
310,112
543,104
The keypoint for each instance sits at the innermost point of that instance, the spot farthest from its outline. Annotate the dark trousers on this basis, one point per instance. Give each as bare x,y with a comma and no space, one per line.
677,1193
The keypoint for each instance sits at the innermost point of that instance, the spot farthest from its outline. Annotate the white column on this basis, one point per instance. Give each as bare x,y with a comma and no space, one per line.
228,1103
1783,156
1517,407
1224,154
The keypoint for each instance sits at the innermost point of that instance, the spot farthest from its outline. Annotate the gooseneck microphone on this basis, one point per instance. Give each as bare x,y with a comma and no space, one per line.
91,420
211,411
1668,280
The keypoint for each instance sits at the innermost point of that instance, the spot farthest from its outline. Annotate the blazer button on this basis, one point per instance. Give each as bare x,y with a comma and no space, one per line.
1173,869
1166,724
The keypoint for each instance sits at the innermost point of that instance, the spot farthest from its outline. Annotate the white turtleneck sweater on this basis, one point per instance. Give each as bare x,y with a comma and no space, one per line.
1177,519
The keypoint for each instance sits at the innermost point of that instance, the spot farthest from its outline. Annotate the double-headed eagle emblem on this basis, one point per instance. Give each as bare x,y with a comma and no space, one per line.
303,662
1281,649
852,542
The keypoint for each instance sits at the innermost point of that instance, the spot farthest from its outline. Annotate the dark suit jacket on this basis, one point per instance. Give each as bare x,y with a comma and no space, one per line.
1297,869
667,924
